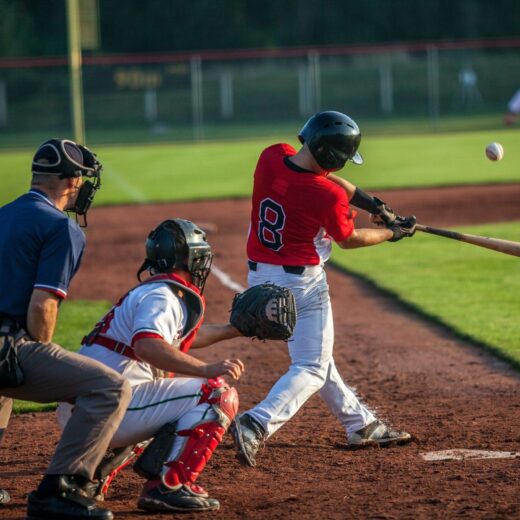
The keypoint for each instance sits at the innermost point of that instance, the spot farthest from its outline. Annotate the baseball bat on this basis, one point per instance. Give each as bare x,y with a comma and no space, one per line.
503,246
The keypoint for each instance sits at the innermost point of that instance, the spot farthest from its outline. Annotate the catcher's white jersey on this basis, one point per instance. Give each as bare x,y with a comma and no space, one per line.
149,310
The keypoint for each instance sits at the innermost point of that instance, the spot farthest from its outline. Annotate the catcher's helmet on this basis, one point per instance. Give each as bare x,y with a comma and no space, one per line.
65,158
178,244
333,139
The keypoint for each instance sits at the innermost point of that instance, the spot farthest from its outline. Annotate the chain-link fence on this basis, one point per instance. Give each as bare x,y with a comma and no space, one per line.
147,98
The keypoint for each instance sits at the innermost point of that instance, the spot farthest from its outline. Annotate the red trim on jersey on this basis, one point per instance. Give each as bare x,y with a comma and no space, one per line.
294,214
58,292
144,335
175,278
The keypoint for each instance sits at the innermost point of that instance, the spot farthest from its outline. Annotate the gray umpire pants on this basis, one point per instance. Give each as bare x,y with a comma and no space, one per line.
99,394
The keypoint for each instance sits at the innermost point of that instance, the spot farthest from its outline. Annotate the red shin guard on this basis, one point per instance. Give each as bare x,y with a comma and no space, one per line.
204,438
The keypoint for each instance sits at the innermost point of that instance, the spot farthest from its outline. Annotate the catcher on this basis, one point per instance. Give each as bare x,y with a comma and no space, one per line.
185,416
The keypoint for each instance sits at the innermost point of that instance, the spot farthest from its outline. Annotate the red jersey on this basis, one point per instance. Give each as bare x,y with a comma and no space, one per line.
294,212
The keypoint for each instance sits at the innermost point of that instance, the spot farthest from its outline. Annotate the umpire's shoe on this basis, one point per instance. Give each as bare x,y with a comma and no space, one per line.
4,497
158,498
377,434
249,436
68,502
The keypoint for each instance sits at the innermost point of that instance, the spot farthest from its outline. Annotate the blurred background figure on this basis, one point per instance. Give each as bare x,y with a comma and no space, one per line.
469,94
513,109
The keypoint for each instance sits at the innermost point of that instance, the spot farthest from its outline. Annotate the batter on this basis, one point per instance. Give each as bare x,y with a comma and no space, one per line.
298,209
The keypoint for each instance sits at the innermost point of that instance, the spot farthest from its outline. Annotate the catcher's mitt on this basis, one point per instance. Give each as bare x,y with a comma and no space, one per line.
265,311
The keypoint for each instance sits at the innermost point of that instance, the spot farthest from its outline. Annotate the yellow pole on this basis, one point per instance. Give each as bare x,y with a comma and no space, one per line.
76,87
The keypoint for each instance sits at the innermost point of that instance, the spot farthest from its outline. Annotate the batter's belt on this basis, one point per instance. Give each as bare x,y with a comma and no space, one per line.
290,269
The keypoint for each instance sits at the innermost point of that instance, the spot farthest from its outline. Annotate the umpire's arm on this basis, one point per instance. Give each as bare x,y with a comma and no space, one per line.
42,315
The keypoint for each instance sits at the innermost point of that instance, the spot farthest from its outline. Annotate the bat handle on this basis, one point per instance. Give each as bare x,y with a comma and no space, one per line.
439,232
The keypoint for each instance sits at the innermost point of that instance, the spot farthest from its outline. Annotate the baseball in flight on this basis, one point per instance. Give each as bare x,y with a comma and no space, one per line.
494,151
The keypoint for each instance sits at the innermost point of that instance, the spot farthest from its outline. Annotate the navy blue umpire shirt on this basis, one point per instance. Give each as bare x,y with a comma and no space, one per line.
40,247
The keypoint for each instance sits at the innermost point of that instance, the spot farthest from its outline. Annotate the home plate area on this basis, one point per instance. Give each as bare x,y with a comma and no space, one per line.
463,454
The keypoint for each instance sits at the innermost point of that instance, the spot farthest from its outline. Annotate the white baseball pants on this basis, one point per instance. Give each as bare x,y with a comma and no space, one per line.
312,366
154,404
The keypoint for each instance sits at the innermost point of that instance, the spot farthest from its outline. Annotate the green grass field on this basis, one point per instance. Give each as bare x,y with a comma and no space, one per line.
159,172
473,291
405,125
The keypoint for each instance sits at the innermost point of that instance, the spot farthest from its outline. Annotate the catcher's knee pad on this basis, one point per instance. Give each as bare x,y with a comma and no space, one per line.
222,398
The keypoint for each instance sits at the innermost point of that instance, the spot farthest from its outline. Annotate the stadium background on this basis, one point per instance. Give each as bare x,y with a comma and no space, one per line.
228,69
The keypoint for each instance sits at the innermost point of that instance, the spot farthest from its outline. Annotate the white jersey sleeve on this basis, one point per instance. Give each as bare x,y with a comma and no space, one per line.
158,313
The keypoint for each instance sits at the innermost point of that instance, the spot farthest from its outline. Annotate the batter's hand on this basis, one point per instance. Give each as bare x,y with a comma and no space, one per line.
403,227
377,220
384,213
229,367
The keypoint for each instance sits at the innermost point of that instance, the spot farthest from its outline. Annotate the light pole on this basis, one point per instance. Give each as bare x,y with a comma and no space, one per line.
76,87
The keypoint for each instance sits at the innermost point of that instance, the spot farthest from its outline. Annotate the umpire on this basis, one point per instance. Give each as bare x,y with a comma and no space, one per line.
40,251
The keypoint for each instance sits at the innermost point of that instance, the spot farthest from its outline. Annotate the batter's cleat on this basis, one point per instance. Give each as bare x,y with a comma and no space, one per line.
249,437
377,434
4,497
68,505
186,499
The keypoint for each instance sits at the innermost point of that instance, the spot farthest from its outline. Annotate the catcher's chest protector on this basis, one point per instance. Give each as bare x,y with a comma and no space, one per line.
195,306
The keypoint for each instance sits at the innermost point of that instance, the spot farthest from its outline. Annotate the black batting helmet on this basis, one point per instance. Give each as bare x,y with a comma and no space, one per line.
333,139
178,244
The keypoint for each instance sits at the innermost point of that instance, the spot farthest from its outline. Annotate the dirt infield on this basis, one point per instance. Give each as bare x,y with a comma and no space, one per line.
449,394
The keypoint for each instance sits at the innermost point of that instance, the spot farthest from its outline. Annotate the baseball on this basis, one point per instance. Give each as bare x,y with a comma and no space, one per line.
494,151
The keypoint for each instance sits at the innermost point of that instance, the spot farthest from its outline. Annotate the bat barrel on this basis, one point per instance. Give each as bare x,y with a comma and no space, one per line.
496,244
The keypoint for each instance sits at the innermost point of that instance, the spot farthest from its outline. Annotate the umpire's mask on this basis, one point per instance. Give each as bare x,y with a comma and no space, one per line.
64,159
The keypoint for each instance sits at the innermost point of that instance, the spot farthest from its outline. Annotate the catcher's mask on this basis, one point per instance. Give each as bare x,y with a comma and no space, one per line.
333,139
64,159
178,244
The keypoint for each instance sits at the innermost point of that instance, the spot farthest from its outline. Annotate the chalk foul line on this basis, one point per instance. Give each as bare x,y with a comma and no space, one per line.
463,454
430,456
226,280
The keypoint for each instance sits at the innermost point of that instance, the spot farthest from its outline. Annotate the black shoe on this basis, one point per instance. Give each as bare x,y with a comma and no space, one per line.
185,499
249,437
68,505
4,497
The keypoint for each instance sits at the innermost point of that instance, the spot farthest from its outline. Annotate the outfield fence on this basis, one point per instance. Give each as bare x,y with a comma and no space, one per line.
182,96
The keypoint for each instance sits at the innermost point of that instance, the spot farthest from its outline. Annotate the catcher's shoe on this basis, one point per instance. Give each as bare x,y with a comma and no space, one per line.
249,437
4,497
377,434
156,497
